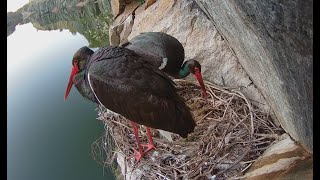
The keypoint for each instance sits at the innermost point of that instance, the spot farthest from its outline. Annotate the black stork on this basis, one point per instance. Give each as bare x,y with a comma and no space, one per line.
126,83
172,53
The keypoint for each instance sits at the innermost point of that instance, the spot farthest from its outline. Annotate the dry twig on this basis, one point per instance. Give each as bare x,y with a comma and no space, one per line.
229,130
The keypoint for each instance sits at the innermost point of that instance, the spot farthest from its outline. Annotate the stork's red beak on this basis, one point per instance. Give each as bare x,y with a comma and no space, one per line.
200,80
74,71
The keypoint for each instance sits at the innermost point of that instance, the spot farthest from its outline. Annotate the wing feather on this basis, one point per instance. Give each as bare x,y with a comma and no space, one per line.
132,87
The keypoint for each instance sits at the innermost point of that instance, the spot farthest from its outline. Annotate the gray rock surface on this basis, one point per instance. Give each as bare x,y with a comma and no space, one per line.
273,41
263,46
282,160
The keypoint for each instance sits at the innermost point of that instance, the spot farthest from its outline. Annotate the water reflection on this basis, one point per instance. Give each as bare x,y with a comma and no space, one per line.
91,18
47,137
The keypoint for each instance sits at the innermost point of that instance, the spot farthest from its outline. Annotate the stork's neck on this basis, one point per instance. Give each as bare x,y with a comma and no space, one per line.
79,77
184,71
83,87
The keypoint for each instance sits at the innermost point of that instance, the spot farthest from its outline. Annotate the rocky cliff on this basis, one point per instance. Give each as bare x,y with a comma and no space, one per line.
273,41
264,48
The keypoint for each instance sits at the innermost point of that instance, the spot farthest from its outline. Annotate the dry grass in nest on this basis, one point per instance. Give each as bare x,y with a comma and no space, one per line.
230,134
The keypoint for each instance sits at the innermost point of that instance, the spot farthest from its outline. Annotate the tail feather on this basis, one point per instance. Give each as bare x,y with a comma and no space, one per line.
184,123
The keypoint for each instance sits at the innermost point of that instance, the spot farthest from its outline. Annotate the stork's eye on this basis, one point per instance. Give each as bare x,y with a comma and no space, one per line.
196,69
75,62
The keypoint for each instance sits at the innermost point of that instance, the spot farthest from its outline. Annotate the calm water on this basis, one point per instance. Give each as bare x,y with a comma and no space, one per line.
48,138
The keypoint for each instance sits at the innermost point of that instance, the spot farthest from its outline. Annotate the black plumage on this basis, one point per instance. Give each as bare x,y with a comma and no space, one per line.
129,85
167,54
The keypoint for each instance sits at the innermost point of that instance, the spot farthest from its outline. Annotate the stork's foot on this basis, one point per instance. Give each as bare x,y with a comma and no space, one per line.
137,155
149,146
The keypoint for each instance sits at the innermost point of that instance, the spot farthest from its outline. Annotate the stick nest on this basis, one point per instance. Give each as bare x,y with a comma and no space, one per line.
230,135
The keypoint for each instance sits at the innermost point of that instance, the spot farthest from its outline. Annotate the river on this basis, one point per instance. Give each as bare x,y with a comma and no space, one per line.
48,138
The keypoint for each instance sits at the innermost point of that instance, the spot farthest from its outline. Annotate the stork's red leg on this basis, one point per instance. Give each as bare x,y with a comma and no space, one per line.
139,153
150,145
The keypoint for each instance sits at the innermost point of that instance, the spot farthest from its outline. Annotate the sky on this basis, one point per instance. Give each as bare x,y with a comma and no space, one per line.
13,5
